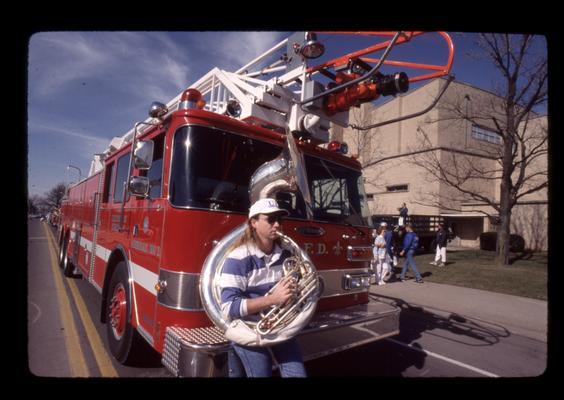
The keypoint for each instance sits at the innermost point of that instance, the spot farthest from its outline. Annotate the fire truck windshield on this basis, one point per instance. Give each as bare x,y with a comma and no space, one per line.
211,169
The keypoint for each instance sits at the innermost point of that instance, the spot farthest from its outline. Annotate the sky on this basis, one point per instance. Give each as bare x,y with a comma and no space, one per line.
84,88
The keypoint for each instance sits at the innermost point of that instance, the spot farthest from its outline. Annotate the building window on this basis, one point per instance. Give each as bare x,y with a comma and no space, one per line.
485,134
396,188
370,196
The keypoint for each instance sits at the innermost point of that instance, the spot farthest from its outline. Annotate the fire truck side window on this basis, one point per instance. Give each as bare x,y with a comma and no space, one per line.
155,173
108,188
121,177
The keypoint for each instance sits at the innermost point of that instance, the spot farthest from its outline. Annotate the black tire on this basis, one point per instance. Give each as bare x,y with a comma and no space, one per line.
123,339
62,250
66,264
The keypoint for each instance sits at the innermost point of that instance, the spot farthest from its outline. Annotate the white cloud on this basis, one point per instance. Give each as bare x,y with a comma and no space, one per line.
58,58
86,87
128,61
241,47
93,140
60,146
139,65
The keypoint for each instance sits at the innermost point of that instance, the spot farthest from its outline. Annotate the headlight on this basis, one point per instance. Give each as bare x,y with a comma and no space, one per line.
356,282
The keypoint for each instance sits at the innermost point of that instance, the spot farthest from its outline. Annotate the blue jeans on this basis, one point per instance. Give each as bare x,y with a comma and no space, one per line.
236,368
409,261
257,361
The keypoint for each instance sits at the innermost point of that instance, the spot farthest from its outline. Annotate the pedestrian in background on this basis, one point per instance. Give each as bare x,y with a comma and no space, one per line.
388,237
381,256
374,261
402,215
410,244
442,239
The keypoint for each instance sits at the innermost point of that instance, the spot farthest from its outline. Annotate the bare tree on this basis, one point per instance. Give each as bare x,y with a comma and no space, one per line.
360,142
53,197
514,163
365,145
33,204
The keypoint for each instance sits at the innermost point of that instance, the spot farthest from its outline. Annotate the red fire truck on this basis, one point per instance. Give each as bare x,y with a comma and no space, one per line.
163,196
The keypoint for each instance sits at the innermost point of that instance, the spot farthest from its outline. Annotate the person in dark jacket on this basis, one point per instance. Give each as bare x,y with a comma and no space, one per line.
402,215
442,239
410,244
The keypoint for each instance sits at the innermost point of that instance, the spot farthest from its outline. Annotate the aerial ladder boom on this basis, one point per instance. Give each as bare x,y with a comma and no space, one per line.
280,90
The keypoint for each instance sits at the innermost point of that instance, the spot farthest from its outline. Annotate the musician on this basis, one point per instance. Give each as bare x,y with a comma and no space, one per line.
251,269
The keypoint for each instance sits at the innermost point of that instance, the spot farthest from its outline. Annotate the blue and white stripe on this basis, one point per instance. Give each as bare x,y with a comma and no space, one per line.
246,274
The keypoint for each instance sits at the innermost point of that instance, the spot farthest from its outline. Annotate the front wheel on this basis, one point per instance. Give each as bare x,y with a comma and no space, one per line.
123,339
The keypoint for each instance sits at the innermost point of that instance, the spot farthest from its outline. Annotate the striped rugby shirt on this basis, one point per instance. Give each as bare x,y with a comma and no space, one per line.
248,273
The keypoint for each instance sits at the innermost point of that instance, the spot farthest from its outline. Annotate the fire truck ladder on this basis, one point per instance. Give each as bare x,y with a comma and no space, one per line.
305,98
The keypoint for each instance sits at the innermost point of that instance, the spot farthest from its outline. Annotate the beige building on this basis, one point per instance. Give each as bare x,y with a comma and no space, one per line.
403,161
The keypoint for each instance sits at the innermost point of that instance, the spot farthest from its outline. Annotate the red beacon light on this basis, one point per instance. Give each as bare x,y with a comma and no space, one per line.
338,147
191,99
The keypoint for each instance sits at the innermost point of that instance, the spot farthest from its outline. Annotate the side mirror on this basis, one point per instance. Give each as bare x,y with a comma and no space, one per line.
139,186
143,154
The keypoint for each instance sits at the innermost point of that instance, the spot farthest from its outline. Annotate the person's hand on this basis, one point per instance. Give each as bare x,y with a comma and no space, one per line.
401,253
283,291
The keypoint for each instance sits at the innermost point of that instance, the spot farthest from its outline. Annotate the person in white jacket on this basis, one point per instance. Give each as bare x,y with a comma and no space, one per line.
381,257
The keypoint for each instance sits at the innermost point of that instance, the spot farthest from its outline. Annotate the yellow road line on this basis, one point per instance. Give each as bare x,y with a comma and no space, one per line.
100,354
77,362
102,357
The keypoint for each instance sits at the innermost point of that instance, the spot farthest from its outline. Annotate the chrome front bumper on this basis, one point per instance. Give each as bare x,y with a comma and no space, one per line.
338,330
203,351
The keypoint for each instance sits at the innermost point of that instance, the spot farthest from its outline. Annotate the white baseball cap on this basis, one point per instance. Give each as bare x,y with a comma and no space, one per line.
266,206
383,224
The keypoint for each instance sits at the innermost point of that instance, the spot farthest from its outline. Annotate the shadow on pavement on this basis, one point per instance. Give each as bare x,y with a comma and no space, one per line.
415,319
378,359
145,357
394,360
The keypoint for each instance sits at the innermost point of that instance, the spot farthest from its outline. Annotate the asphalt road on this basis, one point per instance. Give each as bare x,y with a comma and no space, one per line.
431,345
66,339
65,336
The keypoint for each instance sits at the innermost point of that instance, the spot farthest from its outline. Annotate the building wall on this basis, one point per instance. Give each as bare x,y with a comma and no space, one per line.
388,152
531,222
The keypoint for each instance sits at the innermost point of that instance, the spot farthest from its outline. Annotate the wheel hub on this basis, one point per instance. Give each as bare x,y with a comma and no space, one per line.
118,310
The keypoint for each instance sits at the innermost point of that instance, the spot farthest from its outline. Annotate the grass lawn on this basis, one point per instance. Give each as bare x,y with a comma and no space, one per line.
526,276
